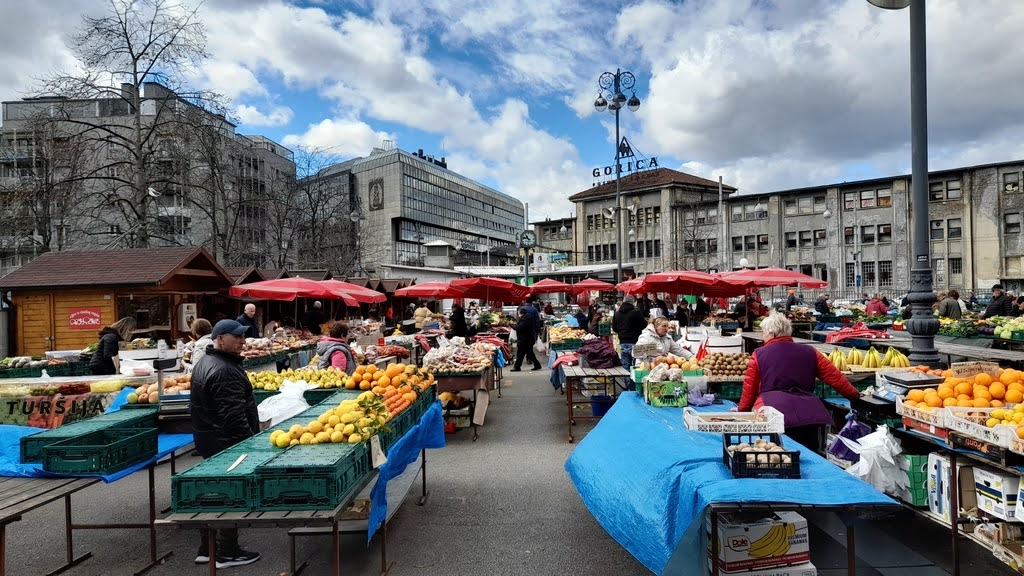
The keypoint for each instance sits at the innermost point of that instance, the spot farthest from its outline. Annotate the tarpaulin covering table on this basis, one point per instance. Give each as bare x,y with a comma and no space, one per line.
648,481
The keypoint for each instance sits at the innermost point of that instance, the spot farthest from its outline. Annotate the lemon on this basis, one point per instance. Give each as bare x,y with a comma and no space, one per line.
355,439
322,419
284,440
348,429
1017,417
293,442
998,414
315,426
323,436
991,422
333,420
296,430
305,438
337,438
348,418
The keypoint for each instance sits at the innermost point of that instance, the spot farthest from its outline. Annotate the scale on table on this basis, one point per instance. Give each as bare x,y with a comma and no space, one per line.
173,412
892,385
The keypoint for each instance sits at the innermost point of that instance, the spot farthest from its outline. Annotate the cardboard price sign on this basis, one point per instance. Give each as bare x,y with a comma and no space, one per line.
53,411
968,369
84,319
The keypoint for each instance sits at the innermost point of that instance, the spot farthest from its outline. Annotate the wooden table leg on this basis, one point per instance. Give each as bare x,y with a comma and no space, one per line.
211,545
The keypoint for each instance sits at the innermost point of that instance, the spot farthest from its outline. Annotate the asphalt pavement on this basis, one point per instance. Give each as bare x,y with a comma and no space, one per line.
502,505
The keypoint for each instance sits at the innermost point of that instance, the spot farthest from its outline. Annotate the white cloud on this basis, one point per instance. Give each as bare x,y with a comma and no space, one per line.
276,116
228,78
342,137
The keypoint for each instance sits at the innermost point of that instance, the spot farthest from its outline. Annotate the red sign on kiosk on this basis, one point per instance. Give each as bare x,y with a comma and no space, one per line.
84,319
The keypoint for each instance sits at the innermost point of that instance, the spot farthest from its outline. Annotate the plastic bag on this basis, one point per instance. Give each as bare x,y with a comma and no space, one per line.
696,398
540,347
131,367
512,336
286,404
853,430
880,463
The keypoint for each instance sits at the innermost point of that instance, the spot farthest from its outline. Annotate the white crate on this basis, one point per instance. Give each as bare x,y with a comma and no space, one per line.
934,417
971,422
766,419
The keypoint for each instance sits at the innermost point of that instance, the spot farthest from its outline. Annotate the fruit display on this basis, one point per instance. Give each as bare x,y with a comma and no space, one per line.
854,357
352,422
321,378
452,400
29,362
371,377
563,333
675,362
959,328
456,360
1005,326
722,364
979,391
838,359
373,352
764,450
893,358
145,394
177,384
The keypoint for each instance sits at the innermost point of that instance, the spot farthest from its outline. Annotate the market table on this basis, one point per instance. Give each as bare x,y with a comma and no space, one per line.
574,376
475,383
26,487
649,482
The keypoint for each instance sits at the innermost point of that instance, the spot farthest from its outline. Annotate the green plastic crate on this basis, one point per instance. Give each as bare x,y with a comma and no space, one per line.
318,395
917,476
209,487
140,418
727,390
312,477
260,395
102,452
31,447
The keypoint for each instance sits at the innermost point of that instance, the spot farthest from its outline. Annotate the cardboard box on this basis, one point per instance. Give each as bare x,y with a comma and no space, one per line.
996,492
1018,512
939,479
665,394
806,569
739,534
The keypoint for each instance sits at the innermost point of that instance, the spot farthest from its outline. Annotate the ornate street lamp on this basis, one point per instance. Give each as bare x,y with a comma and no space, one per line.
613,84
923,325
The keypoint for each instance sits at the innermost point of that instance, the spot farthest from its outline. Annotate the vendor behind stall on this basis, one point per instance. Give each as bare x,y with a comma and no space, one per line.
201,330
334,350
657,334
782,374
102,361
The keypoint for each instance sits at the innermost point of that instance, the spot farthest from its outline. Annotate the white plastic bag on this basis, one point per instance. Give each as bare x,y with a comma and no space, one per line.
540,348
129,367
512,336
881,464
288,403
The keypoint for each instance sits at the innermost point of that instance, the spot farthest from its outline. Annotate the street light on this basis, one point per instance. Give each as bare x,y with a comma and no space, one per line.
923,325
744,263
419,248
614,84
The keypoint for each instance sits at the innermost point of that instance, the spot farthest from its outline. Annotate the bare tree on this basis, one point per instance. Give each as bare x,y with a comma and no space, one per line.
324,212
693,233
144,45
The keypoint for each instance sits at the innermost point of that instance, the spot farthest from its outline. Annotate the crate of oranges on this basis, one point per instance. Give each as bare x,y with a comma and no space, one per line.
996,426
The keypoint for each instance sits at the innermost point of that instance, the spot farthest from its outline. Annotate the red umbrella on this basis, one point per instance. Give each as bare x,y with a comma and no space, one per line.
359,293
591,284
491,289
772,276
689,282
630,286
288,289
549,286
428,290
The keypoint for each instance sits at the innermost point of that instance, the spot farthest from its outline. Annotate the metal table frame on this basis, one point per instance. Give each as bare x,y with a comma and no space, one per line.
575,374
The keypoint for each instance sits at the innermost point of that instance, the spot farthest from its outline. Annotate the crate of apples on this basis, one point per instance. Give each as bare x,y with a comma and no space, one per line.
675,362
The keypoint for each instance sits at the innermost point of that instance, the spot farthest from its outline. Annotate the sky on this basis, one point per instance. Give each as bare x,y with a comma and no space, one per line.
768,94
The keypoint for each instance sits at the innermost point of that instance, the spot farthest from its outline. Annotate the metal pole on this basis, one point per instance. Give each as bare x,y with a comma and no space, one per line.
526,251
618,189
722,240
923,325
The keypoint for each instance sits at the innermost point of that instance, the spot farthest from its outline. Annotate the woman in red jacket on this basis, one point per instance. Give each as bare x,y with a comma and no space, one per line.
782,374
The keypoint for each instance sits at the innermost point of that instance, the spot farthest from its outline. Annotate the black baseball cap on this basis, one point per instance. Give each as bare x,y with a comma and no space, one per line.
227,327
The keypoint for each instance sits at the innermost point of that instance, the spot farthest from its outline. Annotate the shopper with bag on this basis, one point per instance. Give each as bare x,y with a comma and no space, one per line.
526,337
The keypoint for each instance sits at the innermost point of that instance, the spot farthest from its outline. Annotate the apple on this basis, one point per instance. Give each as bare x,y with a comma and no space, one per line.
154,398
143,398
133,398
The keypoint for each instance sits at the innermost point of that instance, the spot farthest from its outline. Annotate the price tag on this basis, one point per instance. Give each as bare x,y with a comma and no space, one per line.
376,453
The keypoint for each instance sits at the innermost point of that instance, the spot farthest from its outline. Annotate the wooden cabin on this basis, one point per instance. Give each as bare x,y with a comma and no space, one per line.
61,300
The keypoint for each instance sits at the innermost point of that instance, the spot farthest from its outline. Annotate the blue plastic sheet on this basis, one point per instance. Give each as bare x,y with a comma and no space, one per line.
428,433
499,359
120,400
10,455
647,480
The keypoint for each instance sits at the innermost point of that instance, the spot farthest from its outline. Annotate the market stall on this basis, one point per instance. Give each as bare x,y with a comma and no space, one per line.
61,300
460,369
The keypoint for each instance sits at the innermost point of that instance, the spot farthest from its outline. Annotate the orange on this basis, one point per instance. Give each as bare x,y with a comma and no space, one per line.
928,391
950,401
1009,376
384,381
982,393
962,388
910,403
360,370
934,401
1013,396
983,379
1015,386
915,395
965,403
1020,432
997,390
947,392
996,403
980,403
947,373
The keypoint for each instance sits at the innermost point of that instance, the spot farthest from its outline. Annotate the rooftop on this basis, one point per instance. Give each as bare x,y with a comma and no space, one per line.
648,179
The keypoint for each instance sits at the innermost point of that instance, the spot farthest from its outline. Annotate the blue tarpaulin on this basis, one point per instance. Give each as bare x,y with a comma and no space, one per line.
647,480
428,433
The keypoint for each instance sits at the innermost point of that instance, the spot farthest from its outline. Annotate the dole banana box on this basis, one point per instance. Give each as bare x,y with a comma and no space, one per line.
806,569
753,542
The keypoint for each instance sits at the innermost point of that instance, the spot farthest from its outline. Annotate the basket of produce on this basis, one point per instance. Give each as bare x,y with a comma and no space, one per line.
569,344
764,420
457,360
759,456
991,425
722,366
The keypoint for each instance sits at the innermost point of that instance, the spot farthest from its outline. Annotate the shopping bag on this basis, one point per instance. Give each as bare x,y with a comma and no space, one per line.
854,431
512,336
286,404
540,348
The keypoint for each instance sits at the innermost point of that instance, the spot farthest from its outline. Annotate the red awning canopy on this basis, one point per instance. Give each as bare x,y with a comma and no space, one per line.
772,276
630,286
689,282
549,286
491,289
591,284
440,290
289,289
359,293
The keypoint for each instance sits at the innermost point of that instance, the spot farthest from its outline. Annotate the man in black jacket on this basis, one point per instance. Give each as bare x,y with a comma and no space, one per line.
248,319
526,337
628,323
223,414
1001,304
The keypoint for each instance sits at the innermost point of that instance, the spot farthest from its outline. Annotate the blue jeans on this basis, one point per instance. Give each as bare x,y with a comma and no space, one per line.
626,355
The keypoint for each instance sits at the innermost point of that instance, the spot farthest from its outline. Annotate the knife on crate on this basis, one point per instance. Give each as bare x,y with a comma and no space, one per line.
237,462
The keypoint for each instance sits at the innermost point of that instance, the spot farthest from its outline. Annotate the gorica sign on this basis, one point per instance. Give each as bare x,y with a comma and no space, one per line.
84,319
631,166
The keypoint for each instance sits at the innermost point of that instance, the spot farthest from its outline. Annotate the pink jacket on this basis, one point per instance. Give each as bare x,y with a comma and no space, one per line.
875,308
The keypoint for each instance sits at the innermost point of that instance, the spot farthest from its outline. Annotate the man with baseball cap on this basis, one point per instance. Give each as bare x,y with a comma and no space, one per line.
223,414
1001,304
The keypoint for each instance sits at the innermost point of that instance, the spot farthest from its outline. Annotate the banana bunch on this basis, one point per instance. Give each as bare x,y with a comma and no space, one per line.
775,541
895,359
838,359
854,358
872,359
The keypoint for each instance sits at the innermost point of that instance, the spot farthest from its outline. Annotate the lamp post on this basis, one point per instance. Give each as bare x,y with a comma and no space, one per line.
923,325
419,248
357,217
614,84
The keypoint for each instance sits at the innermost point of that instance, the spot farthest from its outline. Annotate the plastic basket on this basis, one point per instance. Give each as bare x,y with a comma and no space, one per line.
765,420
935,417
209,487
727,389
31,447
311,477
971,422
318,395
917,480
741,466
102,452
571,344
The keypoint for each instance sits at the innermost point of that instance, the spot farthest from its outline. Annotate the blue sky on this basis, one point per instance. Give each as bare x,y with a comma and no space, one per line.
768,94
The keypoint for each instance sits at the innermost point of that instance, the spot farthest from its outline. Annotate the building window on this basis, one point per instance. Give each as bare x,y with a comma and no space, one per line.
657,214
687,248
867,199
806,205
953,191
649,216
936,230
850,271
590,253
819,203
867,234
749,243
885,273
805,239
604,252
789,206
935,191
1011,182
790,239
737,213
868,269
939,266
850,200
945,190
954,228
712,215
1011,223
748,212
657,248
884,198
762,242
848,234
820,238
884,233
761,214
737,243
702,246
956,267
712,245
614,251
